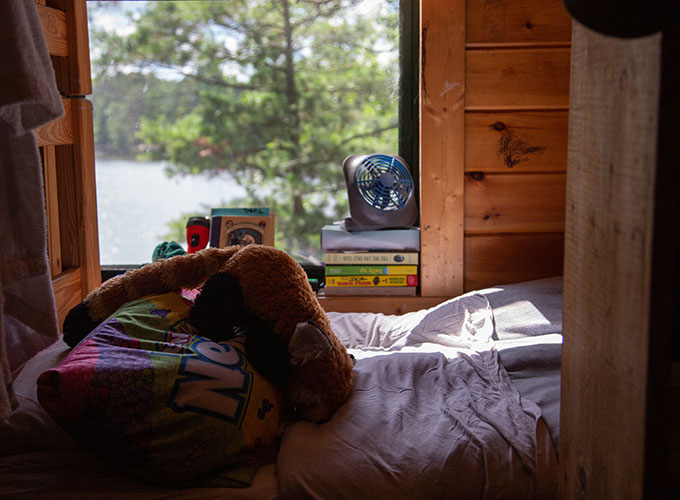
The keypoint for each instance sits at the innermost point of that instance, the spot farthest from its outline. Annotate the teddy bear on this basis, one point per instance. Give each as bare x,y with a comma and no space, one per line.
258,289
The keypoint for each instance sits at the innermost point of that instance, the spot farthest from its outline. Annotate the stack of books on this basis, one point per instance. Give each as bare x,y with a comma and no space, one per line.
381,262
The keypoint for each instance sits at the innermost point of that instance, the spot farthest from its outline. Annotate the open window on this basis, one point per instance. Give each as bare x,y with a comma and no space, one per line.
201,104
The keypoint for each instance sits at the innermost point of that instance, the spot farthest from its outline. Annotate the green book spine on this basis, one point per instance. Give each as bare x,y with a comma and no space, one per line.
332,270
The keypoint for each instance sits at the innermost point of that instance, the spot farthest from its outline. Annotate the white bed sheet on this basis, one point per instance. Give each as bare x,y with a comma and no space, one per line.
420,426
433,415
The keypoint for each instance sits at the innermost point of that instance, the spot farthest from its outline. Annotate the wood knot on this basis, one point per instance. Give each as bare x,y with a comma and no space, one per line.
514,150
498,126
476,176
528,25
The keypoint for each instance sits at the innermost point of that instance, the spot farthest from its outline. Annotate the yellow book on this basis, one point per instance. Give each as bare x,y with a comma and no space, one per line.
375,291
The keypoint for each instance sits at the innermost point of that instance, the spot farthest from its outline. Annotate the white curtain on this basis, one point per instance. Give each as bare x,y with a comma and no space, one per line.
28,99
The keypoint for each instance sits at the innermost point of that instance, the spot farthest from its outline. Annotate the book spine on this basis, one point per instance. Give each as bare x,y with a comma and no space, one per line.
372,281
344,270
215,230
368,290
371,258
251,212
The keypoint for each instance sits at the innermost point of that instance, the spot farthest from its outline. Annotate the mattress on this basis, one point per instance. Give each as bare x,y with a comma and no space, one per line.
457,401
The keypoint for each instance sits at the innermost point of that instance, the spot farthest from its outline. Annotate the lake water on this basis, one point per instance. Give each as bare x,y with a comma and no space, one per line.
136,201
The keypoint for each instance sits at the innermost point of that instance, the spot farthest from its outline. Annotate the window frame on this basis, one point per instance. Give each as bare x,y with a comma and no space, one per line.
408,114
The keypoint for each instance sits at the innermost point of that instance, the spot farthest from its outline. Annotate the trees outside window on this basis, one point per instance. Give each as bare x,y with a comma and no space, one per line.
273,94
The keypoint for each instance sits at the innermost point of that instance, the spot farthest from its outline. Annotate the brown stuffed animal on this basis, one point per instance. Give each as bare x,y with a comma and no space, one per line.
257,288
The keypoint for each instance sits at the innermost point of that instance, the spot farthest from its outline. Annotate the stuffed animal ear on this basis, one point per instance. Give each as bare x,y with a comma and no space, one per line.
77,324
218,307
308,342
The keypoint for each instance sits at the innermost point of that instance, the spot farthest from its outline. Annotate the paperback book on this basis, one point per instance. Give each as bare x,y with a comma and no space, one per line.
241,227
369,290
371,281
364,257
347,270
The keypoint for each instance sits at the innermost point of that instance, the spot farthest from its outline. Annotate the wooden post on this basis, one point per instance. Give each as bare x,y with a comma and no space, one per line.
442,118
88,227
80,80
608,246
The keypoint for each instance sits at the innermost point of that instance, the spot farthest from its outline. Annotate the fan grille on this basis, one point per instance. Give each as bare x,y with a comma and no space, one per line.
384,182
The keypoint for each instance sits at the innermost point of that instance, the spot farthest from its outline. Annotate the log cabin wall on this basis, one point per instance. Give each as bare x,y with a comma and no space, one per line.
67,151
494,120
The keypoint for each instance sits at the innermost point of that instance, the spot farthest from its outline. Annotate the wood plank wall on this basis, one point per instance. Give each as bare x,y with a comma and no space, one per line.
517,55
494,95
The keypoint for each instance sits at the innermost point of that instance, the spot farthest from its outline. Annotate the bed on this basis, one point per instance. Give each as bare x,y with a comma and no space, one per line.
460,400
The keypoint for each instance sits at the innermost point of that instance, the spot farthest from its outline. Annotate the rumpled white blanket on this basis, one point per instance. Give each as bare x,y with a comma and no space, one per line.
433,414
418,426
28,99
464,322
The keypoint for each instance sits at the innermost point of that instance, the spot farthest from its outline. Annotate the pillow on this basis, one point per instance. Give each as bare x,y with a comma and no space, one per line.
174,408
526,309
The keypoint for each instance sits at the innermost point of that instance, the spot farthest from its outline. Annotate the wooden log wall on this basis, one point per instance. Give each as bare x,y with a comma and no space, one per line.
494,117
516,120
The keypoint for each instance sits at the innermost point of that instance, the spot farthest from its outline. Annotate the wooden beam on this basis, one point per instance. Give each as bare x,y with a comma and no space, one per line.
52,208
80,79
608,242
53,23
521,141
519,77
67,190
66,287
494,259
442,114
514,203
516,45
57,132
508,21
87,195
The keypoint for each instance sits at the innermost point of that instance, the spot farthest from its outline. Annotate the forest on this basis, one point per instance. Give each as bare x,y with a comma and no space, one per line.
273,93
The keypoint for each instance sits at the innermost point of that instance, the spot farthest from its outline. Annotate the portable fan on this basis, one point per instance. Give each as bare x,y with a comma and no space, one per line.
380,192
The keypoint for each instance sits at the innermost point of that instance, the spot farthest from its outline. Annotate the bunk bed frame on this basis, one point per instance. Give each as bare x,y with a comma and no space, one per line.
67,151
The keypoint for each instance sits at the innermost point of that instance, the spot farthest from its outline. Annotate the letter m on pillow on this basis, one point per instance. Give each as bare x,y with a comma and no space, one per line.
212,380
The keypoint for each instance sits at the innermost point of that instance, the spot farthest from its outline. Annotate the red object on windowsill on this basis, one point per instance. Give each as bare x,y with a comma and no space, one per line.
198,233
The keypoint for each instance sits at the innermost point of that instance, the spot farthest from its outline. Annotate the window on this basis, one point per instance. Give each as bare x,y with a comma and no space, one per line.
201,104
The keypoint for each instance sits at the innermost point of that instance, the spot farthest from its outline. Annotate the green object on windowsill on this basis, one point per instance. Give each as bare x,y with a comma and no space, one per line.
166,250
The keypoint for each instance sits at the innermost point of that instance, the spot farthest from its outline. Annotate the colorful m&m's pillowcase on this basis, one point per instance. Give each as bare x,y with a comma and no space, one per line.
146,393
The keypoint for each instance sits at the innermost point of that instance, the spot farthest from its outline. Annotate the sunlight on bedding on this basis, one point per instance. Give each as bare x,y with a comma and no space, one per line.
464,323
